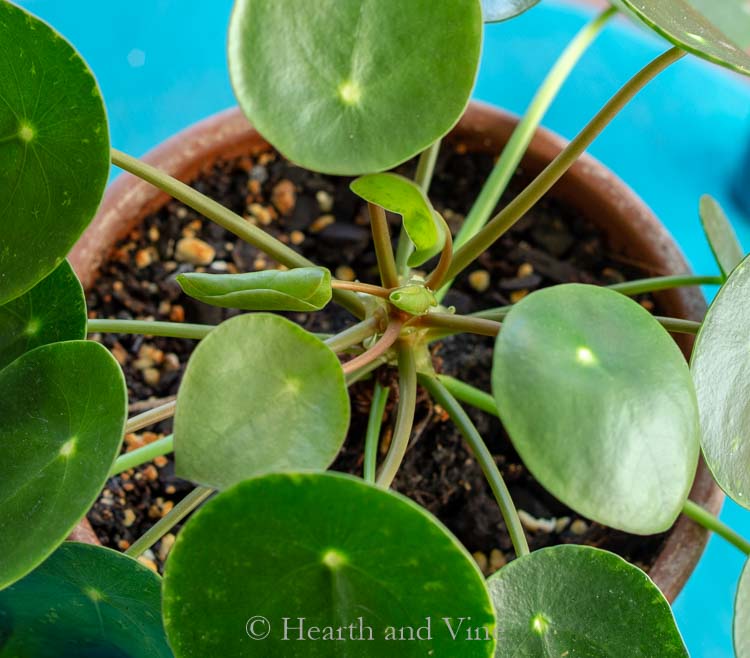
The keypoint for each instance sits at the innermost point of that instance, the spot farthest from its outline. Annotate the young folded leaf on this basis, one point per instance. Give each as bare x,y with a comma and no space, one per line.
581,601
53,310
686,27
501,10
322,550
722,239
721,371
598,401
299,289
84,602
406,198
413,298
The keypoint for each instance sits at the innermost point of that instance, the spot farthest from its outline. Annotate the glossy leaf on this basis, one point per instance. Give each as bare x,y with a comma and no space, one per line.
413,298
721,236
300,289
54,150
260,394
682,24
330,549
581,601
63,408
362,86
502,10
598,401
730,16
404,197
84,602
53,310
721,371
741,621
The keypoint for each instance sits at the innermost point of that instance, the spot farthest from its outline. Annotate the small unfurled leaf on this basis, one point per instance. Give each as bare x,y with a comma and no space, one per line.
721,236
404,197
63,408
721,371
681,23
362,86
53,310
501,10
323,550
54,149
260,394
84,602
741,622
581,601
730,16
413,298
300,289
598,401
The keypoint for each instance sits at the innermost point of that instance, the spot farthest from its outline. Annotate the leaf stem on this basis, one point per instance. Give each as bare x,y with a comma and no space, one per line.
353,335
423,178
486,461
436,278
407,404
710,522
458,323
381,237
155,415
374,423
150,328
228,220
195,498
469,394
356,286
654,284
501,222
142,455
389,337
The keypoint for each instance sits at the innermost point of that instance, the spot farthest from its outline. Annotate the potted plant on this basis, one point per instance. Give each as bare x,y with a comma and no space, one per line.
288,559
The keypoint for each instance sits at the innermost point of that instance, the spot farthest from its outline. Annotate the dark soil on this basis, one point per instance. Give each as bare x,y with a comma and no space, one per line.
322,219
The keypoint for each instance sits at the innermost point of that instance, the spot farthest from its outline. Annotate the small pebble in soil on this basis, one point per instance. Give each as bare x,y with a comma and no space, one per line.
479,280
194,251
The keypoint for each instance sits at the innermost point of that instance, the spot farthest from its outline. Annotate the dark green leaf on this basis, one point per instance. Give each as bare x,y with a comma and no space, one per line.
54,150
721,371
300,289
501,10
63,409
260,394
721,236
741,621
730,16
598,401
361,86
84,602
328,548
404,197
53,310
581,601
685,27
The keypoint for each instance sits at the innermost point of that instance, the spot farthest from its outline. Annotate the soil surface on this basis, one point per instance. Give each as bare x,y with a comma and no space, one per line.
322,219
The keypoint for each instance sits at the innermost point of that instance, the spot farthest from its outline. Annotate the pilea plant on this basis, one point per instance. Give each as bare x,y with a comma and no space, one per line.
595,395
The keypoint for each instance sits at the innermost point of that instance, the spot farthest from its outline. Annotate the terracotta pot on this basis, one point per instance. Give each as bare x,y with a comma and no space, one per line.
588,187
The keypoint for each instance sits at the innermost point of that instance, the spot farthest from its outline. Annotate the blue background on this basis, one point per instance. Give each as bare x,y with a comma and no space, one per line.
161,65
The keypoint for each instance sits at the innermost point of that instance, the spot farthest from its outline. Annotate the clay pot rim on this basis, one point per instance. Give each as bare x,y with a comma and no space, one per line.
228,135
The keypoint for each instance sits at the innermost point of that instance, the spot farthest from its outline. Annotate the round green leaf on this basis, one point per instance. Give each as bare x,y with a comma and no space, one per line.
599,403
741,620
721,236
260,394
63,408
333,551
300,289
502,10
681,23
721,371
352,86
406,198
54,149
581,601
730,16
84,602
52,311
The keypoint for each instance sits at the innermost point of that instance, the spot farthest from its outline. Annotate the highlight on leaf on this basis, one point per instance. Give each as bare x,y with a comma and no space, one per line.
299,289
494,11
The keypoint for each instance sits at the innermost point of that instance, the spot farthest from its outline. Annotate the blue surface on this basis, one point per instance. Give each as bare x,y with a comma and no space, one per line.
161,66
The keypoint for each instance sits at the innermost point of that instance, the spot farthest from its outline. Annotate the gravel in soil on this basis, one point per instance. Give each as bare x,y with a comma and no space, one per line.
319,217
